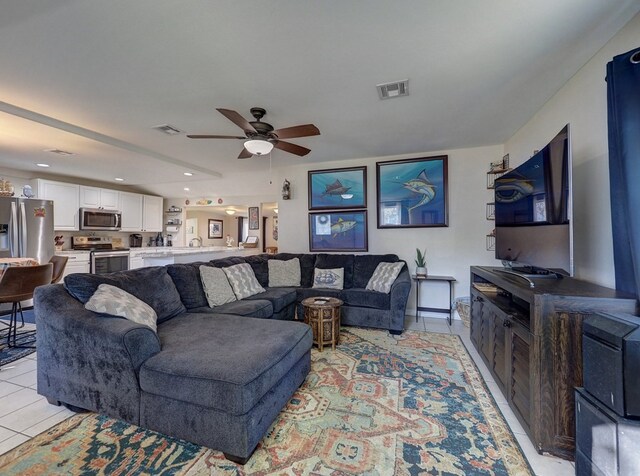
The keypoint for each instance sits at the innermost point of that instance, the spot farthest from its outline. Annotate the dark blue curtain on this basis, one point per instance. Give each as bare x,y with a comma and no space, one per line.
623,97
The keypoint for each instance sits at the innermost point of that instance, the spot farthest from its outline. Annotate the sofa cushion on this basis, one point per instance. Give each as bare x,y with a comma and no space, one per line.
116,302
260,308
327,261
251,356
383,277
364,298
216,286
259,264
307,265
365,265
328,278
284,274
226,262
152,285
243,280
279,297
186,277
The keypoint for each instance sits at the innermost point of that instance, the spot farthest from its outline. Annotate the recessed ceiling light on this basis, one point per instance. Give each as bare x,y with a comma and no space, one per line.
186,189
188,174
118,179
43,165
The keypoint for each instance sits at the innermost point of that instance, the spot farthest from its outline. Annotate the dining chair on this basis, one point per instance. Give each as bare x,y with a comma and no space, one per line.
59,264
17,284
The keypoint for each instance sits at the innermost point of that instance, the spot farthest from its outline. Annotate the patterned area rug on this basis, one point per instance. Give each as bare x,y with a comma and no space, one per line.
378,405
10,354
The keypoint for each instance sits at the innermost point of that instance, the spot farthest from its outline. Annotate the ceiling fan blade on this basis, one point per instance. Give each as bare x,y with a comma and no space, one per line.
245,154
208,136
237,119
292,148
304,130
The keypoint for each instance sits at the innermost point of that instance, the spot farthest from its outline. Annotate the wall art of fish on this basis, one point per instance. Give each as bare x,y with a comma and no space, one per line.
342,226
335,188
423,186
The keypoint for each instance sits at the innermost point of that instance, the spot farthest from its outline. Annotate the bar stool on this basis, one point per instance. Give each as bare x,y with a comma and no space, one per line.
16,285
59,264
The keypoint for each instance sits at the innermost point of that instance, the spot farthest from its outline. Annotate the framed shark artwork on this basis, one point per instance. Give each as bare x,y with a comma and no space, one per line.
412,192
338,231
333,189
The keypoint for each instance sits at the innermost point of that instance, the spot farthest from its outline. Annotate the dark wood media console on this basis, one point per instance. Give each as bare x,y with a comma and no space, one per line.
531,340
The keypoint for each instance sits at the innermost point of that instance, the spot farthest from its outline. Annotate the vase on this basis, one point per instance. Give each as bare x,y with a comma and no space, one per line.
421,271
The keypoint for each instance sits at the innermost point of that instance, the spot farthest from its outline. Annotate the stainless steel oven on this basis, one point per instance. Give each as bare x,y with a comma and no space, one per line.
107,261
99,219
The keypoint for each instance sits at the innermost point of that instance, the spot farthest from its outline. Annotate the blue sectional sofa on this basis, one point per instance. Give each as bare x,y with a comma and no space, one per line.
214,376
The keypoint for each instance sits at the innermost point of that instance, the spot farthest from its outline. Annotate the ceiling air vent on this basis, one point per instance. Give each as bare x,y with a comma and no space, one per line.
59,151
393,90
168,129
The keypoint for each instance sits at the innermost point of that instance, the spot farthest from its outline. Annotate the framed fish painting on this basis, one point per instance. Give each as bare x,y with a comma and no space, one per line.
338,231
412,192
333,189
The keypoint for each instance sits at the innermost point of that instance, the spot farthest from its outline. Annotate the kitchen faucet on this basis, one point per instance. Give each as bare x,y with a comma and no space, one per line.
199,242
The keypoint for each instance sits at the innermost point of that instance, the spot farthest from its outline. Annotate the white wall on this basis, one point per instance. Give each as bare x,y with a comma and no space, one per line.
450,250
582,102
229,226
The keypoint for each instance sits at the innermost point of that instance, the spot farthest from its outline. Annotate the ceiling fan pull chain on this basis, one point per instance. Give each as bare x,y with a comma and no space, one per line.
270,175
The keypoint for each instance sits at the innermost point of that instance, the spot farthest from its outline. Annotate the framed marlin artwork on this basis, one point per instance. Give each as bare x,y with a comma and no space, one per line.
412,192
333,189
338,231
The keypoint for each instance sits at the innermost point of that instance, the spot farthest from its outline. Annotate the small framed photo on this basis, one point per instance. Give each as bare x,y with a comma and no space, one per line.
332,189
254,219
338,231
215,229
412,192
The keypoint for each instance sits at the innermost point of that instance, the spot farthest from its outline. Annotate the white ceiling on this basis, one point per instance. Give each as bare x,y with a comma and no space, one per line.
94,77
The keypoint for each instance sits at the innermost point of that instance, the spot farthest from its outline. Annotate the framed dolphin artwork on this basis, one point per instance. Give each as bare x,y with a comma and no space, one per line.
333,189
338,231
412,192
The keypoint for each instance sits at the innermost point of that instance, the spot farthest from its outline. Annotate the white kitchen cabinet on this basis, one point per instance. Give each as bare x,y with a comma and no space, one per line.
151,213
136,262
77,263
65,198
131,208
94,197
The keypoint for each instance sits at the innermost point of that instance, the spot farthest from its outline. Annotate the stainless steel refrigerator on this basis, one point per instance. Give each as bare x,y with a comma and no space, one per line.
26,228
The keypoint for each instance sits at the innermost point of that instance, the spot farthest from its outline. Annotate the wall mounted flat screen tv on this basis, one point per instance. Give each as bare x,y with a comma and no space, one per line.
533,211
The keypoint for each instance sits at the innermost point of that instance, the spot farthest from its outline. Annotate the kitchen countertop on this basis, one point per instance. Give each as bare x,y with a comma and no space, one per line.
164,251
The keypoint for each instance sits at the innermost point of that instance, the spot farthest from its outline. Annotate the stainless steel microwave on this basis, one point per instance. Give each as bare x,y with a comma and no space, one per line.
99,219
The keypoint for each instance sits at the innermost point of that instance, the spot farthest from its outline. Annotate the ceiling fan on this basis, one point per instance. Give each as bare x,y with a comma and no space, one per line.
260,137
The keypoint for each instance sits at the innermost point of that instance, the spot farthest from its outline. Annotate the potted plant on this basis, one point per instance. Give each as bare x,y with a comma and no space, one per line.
421,267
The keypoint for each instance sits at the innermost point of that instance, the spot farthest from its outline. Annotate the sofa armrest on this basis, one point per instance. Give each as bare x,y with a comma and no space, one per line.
71,336
398,301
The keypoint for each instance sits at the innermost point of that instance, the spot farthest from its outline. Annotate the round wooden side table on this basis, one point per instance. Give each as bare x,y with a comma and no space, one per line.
323,315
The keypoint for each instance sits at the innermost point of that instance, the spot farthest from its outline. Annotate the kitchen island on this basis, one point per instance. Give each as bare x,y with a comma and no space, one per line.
160,256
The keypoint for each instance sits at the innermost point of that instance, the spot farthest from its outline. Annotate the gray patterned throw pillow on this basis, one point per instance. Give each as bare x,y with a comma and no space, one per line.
328,278
117,302
216,286
384,276
284,274
243,280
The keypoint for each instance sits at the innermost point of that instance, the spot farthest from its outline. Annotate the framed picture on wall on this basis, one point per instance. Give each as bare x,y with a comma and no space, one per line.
254,222
338,231
338,188
215,229
412,192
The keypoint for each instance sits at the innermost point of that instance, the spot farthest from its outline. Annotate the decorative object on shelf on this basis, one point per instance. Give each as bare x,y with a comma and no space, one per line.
174,221
286,190
412,192
338,188
215,229
338,231
421,265
173,209
27,191
254,221
505,162
251,242
6,188
229,241
59,242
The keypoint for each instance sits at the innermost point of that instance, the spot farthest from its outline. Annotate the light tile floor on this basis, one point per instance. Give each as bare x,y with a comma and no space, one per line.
24,413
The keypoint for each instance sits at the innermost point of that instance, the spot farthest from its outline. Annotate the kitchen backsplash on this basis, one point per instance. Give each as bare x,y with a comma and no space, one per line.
124,236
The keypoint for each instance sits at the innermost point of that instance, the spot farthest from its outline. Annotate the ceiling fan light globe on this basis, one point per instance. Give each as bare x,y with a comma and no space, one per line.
258,146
